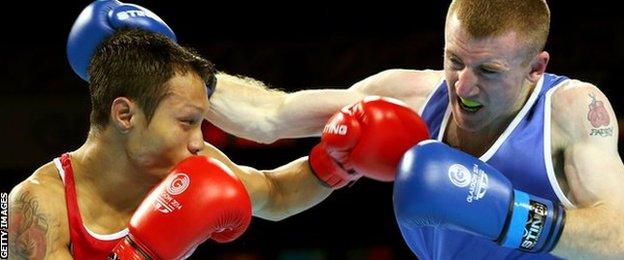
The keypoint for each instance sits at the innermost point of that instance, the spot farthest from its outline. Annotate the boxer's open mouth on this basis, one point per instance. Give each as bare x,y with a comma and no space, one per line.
469,105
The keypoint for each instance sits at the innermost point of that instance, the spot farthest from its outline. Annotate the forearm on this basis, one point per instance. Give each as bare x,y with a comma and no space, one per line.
592,233
247,108
243,107
294,189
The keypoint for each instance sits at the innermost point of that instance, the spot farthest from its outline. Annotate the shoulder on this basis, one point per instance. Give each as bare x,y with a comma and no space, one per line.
44,184
578,107
585,134
411,86
38,213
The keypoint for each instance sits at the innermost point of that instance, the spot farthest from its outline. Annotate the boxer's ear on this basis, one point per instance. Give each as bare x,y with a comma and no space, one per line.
538,66
121,113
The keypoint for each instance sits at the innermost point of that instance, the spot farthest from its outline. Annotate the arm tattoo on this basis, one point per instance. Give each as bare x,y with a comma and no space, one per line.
28,228
598,117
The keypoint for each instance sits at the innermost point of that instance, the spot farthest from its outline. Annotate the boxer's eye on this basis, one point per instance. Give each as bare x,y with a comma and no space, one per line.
488,71
189,121
455,63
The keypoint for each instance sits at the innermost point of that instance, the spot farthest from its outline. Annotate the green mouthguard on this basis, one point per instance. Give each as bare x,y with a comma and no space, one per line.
470,103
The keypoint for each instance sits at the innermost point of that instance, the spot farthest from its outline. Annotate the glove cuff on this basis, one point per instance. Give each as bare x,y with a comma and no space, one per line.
327,170
535,224
127,248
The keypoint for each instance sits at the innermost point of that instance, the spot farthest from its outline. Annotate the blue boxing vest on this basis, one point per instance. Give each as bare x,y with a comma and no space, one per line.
521,153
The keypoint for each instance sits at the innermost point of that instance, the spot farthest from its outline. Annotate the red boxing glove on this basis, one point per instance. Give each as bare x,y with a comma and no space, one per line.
327,159
366,138
200,199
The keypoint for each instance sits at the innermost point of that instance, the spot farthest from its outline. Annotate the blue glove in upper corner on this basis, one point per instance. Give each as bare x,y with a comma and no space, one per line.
98,21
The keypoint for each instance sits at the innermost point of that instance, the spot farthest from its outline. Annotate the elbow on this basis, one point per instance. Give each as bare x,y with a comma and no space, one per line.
609,246
273,217
264,134
275,205
273,213
265,131
618,247
267,138
612,252
613,240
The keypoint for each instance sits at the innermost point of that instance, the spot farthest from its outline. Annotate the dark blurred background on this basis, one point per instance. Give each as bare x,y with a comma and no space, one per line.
291,46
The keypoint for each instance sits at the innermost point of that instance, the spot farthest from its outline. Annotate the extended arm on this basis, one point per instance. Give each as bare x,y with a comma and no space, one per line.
366,138
247,108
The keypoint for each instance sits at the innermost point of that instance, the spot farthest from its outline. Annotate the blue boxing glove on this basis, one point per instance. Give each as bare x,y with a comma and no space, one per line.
446,188
98,21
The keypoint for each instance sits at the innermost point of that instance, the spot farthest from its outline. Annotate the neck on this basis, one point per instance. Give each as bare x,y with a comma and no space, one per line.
103,168
472,142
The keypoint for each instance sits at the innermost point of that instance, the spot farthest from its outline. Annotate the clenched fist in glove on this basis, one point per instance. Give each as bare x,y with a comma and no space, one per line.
200,199
368,139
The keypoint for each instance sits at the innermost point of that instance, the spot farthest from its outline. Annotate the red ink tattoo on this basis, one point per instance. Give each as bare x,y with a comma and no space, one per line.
28,228
597,115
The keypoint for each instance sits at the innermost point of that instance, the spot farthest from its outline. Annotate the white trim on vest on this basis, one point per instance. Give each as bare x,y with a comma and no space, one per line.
59,168
445,119
514,123
550,169
501,139
114,236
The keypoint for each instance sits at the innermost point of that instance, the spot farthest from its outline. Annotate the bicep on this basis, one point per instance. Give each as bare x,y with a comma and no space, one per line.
33,228
410,86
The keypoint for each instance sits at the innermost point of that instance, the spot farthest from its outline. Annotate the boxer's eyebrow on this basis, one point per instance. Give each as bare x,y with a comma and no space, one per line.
497,62
184,101
194,107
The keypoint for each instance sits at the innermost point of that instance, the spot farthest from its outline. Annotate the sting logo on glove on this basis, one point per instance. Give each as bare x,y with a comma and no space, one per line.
534,225
335,129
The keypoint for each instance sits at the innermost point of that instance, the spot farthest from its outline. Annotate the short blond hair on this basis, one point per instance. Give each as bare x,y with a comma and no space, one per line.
530,19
